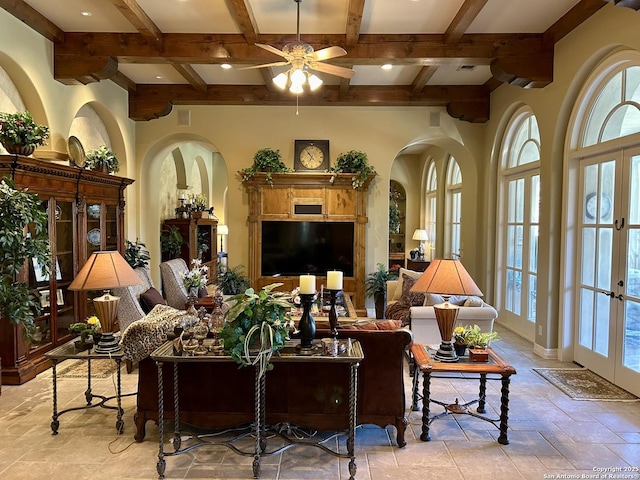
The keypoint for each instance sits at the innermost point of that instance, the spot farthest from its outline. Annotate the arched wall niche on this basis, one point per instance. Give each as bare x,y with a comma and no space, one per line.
175,161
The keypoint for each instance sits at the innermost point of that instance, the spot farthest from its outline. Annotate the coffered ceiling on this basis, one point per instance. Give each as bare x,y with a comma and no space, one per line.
449,53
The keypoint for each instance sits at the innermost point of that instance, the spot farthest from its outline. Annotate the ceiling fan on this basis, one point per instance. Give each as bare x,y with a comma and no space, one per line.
303,58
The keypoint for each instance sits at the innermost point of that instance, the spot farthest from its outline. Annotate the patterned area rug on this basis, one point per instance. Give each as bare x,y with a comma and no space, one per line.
78,369
583,384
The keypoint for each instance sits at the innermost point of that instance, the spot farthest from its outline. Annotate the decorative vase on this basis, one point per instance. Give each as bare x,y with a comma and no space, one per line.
19,149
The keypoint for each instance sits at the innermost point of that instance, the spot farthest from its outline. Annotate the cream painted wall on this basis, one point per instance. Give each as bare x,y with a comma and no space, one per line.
237,132
576,55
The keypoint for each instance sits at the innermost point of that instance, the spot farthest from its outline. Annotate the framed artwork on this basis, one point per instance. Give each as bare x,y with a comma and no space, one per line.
45,298
40,275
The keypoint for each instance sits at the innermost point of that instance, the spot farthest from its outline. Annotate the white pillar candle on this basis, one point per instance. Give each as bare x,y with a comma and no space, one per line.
334,280
308,284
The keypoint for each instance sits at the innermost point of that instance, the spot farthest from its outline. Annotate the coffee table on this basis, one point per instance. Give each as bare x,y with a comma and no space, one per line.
496,367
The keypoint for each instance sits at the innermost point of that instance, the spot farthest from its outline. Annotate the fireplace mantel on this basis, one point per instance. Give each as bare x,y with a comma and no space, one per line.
308,197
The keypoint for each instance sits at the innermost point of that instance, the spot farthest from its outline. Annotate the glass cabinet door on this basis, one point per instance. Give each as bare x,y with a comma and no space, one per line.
63,265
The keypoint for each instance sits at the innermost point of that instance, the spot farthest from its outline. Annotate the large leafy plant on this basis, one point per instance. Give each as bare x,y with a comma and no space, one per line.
259,320
376,282
103,158
20,209
265,160
233,281
21,129
136,254
353,162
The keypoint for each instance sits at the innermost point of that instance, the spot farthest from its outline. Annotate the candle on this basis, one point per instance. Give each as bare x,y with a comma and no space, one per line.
182,196
308,284
334,280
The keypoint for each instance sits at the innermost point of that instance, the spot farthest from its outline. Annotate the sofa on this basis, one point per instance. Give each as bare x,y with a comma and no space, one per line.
417,312
219,395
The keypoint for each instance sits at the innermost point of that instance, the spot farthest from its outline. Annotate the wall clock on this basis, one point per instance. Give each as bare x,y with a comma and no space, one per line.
591,206
311,155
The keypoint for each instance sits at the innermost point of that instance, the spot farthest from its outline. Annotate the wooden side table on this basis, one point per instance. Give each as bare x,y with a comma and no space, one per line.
417,265
67,352
428,366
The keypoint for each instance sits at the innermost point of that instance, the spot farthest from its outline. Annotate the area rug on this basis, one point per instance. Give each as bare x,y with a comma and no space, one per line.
78,369
583,384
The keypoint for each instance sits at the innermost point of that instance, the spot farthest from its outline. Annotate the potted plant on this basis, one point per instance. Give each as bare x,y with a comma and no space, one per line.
394,218
460,340
478,341
20,134
233,281
265,160
20,211
103,159
136,254
90,327
375,285
171,242
353,162
257,325
196,278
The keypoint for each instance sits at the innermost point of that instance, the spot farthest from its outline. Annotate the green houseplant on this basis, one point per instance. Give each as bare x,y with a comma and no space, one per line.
171,242
136,254
265,160
477,338
259,320
20,211
353,162
19,133
375,285
102,158
394,218
233,281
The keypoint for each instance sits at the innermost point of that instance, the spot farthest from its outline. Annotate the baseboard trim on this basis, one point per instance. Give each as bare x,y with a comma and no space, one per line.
546,353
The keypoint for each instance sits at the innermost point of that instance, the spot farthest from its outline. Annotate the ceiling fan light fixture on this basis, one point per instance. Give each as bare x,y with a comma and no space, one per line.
298,77
314,82
295,88
281,80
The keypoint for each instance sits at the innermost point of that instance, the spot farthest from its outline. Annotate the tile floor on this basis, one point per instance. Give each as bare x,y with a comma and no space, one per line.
551,436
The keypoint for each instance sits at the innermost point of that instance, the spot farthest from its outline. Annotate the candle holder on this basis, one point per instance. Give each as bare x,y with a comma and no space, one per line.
307,324
333,314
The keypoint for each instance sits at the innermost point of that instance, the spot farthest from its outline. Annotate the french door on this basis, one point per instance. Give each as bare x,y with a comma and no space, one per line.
607,327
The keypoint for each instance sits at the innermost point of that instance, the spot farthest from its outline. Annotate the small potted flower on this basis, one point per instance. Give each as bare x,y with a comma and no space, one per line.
195,279
478,341
103,159
90,327
460,339
20,134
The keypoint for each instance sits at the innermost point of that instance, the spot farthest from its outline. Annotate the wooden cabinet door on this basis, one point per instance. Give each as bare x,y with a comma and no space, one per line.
275,202
341,203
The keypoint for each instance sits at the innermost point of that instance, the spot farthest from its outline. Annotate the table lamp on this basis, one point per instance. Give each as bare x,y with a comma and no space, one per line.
421,236
103,271
446,278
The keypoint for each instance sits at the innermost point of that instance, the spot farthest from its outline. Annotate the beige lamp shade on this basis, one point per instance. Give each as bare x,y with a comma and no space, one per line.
420,235
446,277
223,230
105,270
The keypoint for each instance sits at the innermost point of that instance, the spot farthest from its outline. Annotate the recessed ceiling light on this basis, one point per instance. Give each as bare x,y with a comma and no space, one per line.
86,13
386,66
158,77
466,67
226,66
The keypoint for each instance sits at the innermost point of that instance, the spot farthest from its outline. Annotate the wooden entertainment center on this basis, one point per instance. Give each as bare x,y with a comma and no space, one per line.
310,197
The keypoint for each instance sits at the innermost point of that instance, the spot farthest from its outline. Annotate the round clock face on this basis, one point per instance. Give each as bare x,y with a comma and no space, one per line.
311,157
592,205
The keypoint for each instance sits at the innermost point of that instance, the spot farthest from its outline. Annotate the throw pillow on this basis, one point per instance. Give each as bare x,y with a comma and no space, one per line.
431,299
473,302
408,297
150,299
403,271
457,300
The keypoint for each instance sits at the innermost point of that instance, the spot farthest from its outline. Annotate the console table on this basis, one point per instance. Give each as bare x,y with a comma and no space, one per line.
289,354
428,366
68,351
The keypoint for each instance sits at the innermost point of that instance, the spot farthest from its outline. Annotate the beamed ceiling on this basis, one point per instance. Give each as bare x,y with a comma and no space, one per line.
447,53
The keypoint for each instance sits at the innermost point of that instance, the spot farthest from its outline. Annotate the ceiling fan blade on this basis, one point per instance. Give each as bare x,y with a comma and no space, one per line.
327,53
332,69
271,49
264,65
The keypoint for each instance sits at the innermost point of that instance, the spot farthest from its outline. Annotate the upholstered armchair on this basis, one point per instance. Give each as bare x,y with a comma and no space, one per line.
130,308
172,287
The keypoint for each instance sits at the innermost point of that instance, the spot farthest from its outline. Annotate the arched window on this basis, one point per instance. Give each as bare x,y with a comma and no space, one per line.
519,223
431,199
454,210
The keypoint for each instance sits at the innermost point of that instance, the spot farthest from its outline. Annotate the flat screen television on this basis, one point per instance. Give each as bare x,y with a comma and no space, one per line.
295,248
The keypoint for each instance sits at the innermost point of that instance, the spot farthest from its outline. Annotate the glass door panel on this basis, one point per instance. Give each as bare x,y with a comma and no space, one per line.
111,228
64,254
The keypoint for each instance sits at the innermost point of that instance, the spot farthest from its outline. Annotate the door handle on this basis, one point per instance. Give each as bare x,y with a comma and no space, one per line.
619,297
610,294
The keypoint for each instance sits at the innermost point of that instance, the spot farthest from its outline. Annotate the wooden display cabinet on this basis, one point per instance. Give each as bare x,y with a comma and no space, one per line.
197,232
86,214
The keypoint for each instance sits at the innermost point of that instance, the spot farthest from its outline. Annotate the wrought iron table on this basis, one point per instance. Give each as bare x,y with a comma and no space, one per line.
428,366
259,430
68,352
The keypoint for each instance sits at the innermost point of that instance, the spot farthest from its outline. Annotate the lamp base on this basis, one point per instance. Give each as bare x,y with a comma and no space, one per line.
446,353
108,344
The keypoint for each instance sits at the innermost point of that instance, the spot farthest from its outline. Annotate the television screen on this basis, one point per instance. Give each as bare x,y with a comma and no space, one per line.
297,248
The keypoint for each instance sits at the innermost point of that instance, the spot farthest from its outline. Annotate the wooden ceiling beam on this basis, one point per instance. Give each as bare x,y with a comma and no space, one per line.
149,101
354,21
34,19
69,70
465,16
570,20
139,19
191,76
423,76
371,49
244,19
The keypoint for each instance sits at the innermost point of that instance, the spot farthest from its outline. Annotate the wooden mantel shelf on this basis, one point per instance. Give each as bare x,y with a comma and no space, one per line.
312,179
